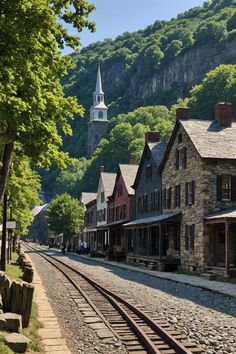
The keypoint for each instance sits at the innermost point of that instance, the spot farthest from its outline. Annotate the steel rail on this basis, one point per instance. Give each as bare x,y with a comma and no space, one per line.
114,299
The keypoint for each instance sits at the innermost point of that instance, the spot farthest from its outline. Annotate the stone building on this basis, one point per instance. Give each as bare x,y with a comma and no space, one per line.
199,182
98,117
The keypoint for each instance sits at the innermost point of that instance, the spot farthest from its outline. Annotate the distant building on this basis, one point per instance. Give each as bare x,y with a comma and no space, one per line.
98,117
38,230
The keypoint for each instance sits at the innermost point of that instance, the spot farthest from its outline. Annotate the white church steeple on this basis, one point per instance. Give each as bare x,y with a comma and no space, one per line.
99,110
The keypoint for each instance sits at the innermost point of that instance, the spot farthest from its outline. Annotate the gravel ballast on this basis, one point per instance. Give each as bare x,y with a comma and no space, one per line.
207,317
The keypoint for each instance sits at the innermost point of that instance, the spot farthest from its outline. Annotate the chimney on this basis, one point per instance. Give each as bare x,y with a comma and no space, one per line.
101,169
132,159
182,113
152,137
223,114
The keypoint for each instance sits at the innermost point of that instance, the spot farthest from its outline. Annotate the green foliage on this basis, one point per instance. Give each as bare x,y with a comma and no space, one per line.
126,135
65,215
217,86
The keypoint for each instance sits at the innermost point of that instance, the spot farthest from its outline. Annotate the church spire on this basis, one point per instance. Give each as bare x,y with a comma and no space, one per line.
99,82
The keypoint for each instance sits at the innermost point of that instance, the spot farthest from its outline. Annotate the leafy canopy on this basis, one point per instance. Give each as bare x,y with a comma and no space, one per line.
33,106
65,215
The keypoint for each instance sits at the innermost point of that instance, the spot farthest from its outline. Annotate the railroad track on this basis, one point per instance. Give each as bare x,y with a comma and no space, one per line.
140,330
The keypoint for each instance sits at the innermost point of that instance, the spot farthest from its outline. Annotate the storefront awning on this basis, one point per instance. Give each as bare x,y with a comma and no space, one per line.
117,223
158,219
222,216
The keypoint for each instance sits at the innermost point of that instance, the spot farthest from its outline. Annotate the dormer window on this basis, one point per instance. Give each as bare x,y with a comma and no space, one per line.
102,197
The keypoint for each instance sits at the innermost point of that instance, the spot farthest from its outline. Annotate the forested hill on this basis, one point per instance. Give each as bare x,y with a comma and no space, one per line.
153,66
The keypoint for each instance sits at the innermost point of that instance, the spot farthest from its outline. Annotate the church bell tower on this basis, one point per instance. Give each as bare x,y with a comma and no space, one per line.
98,117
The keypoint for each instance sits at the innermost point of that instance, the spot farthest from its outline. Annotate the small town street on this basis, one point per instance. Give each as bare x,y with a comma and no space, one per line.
207,317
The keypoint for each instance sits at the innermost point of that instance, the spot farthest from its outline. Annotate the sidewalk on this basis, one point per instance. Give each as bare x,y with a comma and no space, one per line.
193,280
51,335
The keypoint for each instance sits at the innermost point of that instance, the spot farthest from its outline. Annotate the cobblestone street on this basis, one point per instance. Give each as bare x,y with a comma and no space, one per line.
205,316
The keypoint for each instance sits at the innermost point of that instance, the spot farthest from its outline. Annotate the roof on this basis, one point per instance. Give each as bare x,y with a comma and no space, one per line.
100,105
153,219
108,180
87,197
224,214
98,88
210,139
128,173
157,150
38,209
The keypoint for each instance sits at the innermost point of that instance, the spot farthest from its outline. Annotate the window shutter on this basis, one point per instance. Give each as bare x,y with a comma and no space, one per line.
219,188
169,198
158,200
186,237
193,192
179,197
184,157
233,188
177,159
186,193
192,234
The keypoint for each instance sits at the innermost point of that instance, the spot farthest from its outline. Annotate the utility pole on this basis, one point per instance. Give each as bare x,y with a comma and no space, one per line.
4,234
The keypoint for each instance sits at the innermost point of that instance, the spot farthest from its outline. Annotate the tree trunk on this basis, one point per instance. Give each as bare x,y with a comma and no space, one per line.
6,164
4,235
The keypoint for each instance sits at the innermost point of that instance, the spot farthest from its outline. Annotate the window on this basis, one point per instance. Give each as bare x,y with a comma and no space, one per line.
120,190
149,172
100,114
177,196
226,188
164,198
152,201
168,200
189,237
180,138
190,193
102,197
181,158
98,98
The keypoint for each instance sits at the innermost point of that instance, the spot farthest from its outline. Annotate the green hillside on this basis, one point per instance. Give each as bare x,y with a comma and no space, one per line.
135,57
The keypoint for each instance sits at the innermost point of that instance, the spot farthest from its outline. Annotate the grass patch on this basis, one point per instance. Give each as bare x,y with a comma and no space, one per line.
32,331
13,270
3,347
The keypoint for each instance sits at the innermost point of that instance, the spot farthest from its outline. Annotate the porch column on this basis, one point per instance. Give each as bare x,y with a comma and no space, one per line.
160,241
226,247
148,243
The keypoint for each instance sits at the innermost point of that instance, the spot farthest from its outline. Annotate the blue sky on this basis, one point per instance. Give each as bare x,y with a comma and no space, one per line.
113,17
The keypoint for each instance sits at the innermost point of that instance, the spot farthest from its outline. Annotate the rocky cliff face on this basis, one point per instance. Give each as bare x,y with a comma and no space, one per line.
186,70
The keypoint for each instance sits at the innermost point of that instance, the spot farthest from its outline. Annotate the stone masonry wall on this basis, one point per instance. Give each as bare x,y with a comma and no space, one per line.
191,213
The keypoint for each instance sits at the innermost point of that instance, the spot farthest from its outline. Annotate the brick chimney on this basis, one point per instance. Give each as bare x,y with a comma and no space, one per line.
182,113
101,169
223,114
152,137
132,159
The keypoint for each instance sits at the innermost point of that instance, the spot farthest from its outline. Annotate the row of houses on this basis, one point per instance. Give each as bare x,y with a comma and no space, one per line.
178,207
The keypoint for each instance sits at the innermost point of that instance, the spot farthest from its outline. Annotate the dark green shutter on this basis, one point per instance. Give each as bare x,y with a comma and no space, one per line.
193,192
219,188
184,157
186,237
186,193
177,159
233,188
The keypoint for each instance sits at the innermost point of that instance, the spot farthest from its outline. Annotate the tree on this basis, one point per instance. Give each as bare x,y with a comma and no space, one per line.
33,106
65,215
218,85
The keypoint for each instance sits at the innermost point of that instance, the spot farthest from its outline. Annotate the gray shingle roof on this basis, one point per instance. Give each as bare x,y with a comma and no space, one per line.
87,197
210,139
157,150
108,182
128,173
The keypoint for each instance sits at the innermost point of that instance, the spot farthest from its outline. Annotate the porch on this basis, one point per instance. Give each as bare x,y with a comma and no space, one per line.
155,241
222,243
